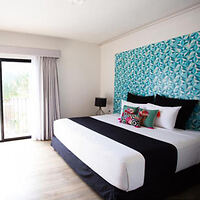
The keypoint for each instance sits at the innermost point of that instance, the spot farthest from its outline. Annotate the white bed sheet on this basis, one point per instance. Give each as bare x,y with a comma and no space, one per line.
118,164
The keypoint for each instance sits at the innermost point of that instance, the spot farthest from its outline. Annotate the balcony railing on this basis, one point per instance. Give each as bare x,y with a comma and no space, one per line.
16,117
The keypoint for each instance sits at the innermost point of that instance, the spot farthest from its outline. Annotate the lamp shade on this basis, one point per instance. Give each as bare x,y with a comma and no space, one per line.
101,102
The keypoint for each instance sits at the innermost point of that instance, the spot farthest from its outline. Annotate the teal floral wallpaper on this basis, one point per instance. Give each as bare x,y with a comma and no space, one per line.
170,68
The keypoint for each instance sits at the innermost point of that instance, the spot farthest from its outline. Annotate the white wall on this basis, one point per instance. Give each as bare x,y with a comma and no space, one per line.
184,23
78,71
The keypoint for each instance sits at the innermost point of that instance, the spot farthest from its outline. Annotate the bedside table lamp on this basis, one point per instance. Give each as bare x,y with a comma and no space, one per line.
100,102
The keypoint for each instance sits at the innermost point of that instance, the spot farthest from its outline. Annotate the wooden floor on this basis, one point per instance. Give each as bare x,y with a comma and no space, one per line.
32,170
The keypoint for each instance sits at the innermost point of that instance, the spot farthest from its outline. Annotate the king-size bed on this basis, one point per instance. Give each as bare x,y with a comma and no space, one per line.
120,161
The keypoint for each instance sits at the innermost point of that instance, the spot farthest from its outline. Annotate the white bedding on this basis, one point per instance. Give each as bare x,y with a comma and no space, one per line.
118,164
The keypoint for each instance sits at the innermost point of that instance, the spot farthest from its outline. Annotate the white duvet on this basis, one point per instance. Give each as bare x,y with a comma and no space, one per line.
118,164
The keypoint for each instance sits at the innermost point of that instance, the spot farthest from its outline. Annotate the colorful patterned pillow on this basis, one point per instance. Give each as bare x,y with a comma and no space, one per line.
147,117
130,110
129,116
131,120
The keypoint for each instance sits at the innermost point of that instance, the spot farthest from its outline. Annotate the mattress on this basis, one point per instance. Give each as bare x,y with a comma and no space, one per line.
121,166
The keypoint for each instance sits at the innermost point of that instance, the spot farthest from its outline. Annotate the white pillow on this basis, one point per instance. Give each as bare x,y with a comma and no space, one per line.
167,117
127,103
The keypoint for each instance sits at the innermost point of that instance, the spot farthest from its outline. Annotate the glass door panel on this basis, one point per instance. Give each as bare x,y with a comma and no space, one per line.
16,98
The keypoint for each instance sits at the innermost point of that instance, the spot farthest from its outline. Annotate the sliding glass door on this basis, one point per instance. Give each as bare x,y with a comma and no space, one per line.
15,98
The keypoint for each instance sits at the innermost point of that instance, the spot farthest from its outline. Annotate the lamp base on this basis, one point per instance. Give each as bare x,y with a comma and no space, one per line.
100,111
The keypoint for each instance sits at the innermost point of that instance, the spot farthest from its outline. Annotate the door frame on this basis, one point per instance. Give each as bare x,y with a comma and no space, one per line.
3,139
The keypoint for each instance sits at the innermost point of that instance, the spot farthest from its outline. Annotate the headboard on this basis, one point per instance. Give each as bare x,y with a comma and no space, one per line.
170,68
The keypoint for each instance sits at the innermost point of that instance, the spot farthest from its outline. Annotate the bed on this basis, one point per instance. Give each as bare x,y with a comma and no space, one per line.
120,161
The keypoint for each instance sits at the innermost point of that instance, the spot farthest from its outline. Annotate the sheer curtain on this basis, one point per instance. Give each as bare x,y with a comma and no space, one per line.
45,97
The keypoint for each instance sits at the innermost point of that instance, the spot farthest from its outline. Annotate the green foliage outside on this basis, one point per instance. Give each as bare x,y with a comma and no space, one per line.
17,87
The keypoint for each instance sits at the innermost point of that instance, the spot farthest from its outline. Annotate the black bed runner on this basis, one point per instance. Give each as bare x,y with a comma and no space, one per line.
160,157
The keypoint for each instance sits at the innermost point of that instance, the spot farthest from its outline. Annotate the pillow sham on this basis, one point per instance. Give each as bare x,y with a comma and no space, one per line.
129,116
167,116
130,104
187,107
147,117
139,99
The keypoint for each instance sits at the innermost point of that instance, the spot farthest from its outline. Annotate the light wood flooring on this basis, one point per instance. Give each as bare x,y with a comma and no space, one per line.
32,170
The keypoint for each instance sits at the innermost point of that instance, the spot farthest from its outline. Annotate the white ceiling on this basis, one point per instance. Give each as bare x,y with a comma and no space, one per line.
93,21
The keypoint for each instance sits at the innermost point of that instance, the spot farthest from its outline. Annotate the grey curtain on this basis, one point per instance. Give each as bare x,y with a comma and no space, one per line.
50,109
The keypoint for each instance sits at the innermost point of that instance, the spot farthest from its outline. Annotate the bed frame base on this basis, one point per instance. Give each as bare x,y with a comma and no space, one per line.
109,192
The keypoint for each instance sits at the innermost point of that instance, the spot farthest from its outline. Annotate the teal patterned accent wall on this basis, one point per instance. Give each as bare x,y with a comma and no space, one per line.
170,68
